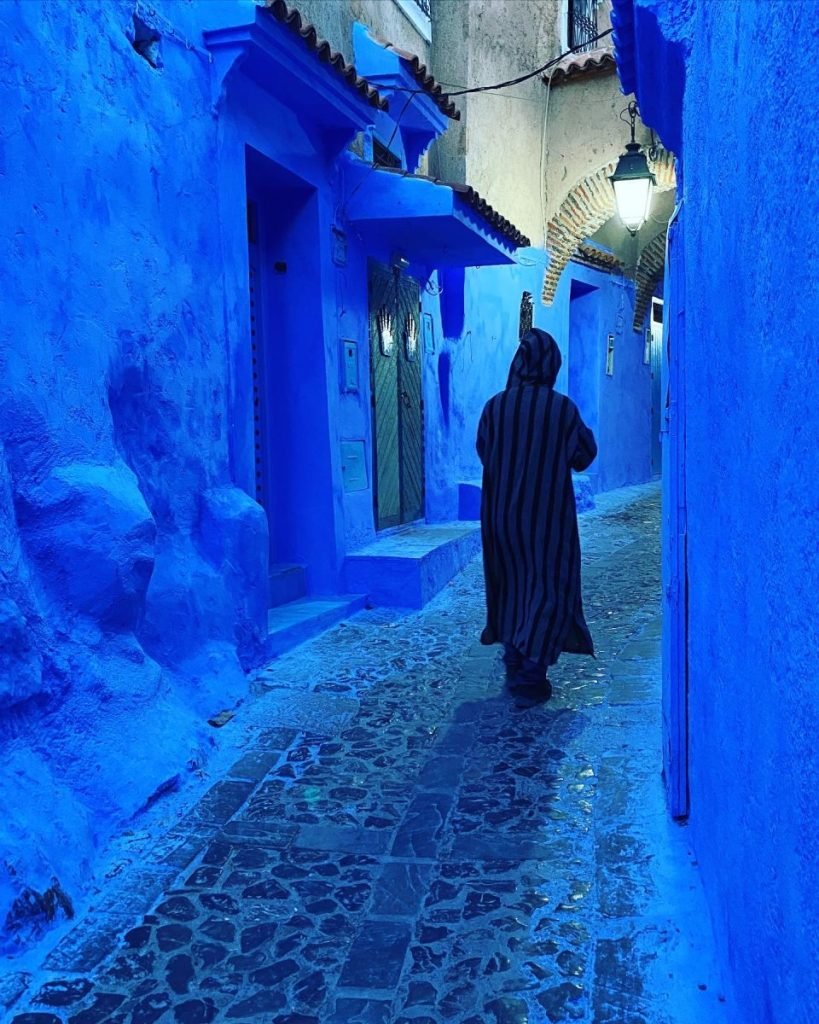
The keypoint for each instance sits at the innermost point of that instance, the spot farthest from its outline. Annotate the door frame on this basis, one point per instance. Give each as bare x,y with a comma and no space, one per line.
656,350
675,529
295,444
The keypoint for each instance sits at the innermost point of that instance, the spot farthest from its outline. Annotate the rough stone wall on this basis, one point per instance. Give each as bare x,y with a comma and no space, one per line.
752,375
130,568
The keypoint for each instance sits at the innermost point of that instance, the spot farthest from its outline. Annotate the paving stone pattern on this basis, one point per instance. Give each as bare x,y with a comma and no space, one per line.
406,843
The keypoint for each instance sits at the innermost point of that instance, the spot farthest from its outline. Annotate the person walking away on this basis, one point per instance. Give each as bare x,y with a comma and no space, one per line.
530,438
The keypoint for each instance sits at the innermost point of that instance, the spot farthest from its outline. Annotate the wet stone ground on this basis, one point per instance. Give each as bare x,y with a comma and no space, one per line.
406,843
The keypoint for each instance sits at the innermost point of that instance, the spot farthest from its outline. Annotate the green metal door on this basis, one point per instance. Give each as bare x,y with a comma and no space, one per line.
398,408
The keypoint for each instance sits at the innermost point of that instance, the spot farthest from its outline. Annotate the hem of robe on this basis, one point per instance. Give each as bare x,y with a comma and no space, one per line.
489,638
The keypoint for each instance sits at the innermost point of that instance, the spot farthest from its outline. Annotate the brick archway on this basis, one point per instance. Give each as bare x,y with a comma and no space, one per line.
586,208
650,269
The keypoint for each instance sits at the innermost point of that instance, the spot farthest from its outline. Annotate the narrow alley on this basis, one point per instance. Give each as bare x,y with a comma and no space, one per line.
404,842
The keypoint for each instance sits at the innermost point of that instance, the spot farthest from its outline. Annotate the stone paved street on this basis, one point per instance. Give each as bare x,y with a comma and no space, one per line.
405,843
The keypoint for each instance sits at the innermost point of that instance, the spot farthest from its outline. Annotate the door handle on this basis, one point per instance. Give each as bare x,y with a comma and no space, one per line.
405,398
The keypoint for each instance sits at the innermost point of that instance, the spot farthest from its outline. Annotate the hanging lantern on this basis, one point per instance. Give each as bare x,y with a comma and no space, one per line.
633,182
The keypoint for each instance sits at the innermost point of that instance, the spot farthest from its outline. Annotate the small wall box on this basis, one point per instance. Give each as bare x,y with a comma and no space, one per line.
349,366
354,465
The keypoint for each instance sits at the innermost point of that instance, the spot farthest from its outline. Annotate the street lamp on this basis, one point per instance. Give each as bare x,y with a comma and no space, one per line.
632,181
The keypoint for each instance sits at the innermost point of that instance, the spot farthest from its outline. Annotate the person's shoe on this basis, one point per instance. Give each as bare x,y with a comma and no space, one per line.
512,674
513,666
539,692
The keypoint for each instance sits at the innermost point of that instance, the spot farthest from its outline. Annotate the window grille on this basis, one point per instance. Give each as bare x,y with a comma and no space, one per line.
582,24
419,13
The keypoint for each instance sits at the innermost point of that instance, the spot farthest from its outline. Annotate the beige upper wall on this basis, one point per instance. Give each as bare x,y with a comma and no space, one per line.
497,148
334,20
584,133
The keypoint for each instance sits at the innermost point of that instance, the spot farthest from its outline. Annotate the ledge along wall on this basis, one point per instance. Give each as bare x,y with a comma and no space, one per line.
752,373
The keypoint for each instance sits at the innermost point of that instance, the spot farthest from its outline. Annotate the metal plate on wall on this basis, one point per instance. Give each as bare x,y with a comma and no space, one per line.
354,465
610,356
349,366
428,331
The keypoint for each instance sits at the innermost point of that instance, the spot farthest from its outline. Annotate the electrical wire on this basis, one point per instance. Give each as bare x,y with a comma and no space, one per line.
521,78
538,71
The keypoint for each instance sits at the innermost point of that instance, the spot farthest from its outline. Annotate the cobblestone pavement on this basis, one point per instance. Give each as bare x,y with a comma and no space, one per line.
405,844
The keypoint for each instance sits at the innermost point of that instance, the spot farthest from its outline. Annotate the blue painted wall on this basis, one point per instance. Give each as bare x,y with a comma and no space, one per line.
477,364
129,571
752,373
133,554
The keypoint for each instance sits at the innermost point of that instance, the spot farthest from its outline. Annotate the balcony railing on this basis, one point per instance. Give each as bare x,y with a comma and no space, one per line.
582,24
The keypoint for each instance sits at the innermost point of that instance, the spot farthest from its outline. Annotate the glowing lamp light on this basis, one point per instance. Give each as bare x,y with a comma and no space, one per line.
633,182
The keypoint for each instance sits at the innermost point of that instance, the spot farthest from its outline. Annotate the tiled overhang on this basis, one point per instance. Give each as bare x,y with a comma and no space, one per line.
426,82
596,256
275,48
582,66
625,49
651,44
293,20
430,222
419,109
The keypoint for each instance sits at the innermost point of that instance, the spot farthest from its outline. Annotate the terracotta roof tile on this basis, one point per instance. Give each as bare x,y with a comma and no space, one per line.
427,82
577,65
472,198
293,20
599,258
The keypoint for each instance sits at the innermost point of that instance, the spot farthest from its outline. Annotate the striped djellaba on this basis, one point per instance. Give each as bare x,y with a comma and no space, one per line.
530,438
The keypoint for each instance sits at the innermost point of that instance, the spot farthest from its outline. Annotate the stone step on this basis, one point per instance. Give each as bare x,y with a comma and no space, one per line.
407,568
289,625
469,500
287,583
